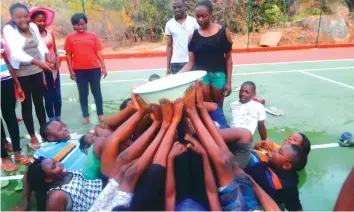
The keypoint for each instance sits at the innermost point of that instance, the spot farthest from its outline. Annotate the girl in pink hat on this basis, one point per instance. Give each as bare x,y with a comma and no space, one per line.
43,17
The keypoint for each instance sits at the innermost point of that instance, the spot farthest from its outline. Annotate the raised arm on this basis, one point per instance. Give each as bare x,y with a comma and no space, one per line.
140,145
121,116
121,134
133,173
208,122
222,159
209,180
162,153
170,184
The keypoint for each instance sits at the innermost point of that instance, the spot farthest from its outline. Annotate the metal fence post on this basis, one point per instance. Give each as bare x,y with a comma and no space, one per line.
249,22
83,6
319,24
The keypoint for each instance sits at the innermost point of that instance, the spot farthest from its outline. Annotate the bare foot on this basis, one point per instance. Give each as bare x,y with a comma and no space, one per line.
199,94
101,118
85,120
178,109
167,112
139,104
134,102
189,99
155,113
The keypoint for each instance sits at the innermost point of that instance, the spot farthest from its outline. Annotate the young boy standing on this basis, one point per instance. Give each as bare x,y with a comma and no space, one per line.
247,113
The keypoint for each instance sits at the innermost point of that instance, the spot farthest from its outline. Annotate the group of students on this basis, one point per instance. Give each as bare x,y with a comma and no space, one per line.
170,156
30,67
176,156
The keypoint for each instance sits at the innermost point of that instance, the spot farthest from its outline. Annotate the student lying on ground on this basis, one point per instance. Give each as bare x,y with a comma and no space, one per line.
59,147
277,174
233,184
70,190
296,138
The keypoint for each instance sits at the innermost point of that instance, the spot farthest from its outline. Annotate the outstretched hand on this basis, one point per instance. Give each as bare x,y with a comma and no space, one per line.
155,113
167,112
139,103
189,98
178,110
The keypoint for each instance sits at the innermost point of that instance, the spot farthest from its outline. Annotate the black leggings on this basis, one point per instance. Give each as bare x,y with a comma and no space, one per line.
8,105
33,88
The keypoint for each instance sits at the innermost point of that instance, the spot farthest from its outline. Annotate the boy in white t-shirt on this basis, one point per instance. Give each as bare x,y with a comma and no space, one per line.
247,113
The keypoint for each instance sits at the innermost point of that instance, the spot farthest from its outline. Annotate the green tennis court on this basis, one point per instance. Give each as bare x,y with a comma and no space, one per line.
317,97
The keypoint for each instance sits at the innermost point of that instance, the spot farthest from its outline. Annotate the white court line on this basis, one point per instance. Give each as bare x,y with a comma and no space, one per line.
320,146
292,71
237,65
238,74
328,80
292,62
108,81
134,70
324,146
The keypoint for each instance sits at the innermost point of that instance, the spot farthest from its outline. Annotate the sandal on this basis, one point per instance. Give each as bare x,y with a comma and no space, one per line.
237,88
19,186
274,111
4,183
9,167
22,160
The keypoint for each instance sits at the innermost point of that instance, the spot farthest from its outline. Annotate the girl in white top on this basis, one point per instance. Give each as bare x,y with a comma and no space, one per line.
8,83
27,56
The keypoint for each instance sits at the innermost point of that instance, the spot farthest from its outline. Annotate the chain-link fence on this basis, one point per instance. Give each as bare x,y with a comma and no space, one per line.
132,25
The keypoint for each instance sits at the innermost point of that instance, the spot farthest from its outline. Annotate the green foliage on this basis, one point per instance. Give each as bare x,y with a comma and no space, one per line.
305,14
151,17
272,12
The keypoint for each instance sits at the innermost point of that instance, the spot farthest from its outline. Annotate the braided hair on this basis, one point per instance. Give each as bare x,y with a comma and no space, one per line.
36,180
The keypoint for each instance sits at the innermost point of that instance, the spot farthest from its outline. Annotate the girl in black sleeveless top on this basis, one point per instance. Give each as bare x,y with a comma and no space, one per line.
210,50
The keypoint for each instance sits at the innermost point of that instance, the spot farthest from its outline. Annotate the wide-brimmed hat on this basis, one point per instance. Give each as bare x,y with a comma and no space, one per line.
49,14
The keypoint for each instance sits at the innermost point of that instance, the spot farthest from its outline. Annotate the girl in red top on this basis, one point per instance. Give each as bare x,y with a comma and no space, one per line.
43,18
85,60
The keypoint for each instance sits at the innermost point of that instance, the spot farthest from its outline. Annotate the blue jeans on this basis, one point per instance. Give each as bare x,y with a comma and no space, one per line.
91,77
176,67
52,96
